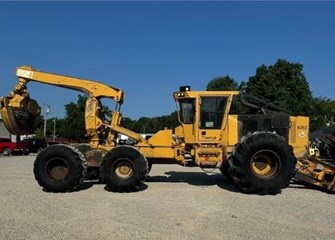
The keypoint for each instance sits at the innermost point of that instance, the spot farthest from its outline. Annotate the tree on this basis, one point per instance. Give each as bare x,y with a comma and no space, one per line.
142,125
166,121
61,128
75,120
151,125
127,123
39,132
225,83
323,113
283,84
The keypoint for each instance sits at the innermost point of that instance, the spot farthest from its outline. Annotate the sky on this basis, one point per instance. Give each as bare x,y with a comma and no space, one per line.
150,49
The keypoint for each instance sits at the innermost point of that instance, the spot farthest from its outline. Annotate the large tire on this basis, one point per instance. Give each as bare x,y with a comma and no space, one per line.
149,166
224,169
60,168
124,169
263,163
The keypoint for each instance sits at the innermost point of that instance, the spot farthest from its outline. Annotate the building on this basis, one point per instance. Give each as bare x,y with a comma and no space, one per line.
3,131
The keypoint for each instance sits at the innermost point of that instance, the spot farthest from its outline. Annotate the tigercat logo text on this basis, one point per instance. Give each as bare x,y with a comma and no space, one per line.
302,127
209,138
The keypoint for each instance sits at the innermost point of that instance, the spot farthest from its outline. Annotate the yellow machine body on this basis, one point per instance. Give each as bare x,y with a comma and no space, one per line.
207,141
206,137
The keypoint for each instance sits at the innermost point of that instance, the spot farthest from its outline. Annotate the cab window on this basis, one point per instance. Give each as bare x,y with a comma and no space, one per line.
211,112
187,110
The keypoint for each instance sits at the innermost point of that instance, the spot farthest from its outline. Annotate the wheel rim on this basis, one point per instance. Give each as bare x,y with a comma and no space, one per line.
57,169
265,164
124,169
6,152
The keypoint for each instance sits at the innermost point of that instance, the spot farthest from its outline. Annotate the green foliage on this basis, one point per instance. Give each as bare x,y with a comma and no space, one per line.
39,132
61,128
153,125
74,121
143,125
323,112
127,123
282,84
225,83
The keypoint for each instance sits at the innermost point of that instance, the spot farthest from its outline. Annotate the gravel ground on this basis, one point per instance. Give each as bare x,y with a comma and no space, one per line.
176,203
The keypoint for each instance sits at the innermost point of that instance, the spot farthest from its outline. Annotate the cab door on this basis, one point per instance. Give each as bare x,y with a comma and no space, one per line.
212,116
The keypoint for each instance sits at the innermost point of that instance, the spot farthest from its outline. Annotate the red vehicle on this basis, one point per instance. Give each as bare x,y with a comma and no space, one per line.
8,147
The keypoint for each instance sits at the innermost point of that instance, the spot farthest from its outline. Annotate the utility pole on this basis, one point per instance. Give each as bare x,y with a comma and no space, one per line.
46,112
54,136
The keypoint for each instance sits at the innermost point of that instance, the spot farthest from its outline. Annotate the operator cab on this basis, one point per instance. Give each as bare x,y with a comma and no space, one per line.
202,114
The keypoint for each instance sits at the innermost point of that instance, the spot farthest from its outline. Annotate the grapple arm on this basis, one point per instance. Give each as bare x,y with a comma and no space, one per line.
21,114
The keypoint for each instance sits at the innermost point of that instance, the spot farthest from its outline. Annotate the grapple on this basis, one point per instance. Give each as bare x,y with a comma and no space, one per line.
317,172
20,114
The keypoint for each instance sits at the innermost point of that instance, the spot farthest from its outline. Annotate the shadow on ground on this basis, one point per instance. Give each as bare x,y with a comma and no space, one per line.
192,178
140,189
84,186
196,179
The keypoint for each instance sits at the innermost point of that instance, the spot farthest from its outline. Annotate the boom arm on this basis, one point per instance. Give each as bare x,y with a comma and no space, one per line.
21,113
91,88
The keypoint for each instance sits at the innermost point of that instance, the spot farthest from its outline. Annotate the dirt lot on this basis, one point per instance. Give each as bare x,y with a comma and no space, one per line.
176,203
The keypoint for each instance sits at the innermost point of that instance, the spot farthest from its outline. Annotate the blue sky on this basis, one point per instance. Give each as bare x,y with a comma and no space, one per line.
149,49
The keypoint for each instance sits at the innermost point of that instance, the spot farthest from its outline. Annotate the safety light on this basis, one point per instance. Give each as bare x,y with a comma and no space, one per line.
185,88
